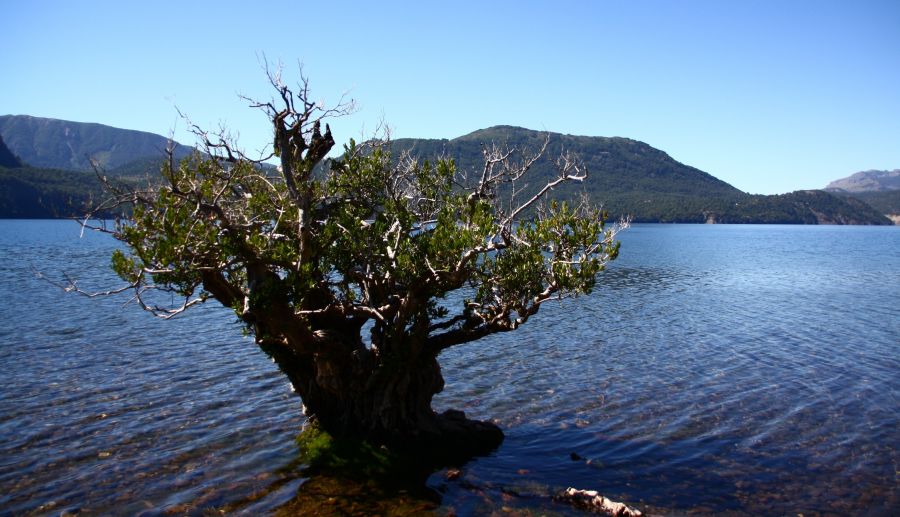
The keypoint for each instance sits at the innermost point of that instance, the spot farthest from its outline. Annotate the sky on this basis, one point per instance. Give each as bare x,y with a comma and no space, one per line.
770,96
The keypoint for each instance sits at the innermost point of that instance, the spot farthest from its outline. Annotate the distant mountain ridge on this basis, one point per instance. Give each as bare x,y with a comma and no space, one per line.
616,164
62,144
879,189
867,181
52,174
627,177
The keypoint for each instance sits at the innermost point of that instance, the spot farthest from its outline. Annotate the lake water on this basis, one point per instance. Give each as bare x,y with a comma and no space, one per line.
737,370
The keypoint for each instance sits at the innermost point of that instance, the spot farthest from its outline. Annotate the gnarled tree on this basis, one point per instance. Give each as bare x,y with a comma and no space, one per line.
342,273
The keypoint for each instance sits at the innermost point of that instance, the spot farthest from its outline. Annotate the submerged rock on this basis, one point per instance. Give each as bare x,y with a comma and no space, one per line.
593,501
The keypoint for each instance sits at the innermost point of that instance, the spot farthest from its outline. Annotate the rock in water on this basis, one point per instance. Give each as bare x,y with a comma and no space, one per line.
596,503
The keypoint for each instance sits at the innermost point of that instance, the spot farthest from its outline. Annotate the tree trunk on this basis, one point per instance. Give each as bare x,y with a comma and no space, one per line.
384,400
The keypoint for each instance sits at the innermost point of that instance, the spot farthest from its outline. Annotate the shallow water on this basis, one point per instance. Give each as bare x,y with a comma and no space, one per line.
715,369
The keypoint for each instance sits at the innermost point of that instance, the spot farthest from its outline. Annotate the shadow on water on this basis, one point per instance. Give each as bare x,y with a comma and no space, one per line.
331,478
342,477
409,491
518,482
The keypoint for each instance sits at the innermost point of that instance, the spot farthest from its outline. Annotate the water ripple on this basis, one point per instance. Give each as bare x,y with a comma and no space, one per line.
741,370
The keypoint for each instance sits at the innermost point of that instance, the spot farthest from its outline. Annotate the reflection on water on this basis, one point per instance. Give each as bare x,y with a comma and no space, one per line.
726,369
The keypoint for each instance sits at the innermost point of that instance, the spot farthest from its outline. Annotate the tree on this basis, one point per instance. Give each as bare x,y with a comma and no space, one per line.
356,274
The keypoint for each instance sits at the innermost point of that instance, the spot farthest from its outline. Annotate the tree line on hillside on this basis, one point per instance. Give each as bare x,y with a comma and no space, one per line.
627,177
885,202
631,178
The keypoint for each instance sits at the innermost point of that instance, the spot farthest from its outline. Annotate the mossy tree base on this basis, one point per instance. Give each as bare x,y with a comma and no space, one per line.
456,440
351,476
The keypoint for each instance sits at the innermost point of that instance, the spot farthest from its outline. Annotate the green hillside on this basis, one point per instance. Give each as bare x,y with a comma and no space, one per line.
629,177
885,201
61,144
28,192
626,176
31,193
878,189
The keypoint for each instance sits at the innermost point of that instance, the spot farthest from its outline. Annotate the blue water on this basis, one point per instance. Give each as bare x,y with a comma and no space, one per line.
737,370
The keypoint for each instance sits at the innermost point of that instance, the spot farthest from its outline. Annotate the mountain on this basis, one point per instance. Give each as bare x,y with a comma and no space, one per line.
867,181
886,201
804,207
878,189
52,175
33,193
7,158
62,144
629,177
624,174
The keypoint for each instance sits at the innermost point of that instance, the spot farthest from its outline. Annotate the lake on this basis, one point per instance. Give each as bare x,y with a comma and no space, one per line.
716,369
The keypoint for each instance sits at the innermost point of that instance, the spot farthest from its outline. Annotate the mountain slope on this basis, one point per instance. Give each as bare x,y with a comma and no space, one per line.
7,158
867,181
878,189
31,193
626,176
629,177
886,202
61,144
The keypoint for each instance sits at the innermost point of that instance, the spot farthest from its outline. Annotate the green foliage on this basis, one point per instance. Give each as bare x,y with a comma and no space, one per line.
175,237
342,275
351,458
376,237
354,477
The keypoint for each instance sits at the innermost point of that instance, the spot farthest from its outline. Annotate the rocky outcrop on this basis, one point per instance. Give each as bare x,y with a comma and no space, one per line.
594,502
868,181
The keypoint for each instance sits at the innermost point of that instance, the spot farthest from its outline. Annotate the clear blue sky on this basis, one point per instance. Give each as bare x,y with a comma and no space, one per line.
769,96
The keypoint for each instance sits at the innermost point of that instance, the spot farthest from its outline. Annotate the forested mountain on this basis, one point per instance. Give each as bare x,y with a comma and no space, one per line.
28,192
878,189
52,174
626,176
62,144
886,201
32,193
7,158
629,177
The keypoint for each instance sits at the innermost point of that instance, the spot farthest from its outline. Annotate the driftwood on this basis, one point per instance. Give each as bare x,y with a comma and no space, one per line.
596,503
